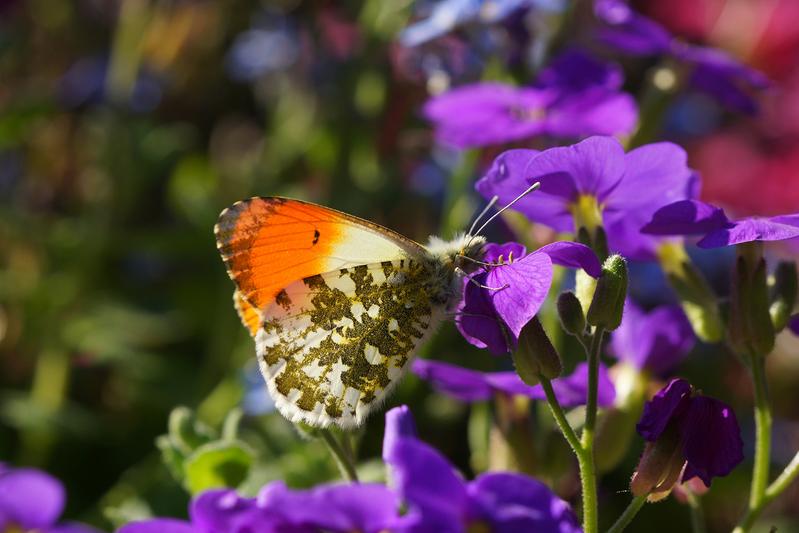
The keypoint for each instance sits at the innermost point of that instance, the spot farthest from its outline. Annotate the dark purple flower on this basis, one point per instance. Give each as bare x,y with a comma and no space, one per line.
33,500
446,15
712,71
473,386
699,433
692,217
624,189
499,300
793,324
440,500
576,96
656,341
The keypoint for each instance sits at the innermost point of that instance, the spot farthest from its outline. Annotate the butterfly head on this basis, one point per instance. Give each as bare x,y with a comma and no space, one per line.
463,253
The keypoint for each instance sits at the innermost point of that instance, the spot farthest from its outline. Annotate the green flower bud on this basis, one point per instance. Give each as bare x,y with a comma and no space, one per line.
783,294
750,330
611,290
535,356
571,314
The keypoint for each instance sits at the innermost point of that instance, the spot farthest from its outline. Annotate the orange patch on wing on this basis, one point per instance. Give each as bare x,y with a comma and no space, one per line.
268,243
249,316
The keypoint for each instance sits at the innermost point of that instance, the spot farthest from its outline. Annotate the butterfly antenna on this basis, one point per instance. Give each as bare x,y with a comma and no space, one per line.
485,210
527,191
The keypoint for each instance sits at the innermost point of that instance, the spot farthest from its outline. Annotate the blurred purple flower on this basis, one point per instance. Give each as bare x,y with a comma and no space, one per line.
440,500
712,71
84,83
270,45
499,300
656,341
446,15
692,217
627,188
32,500
793,324
473,386
338,508
703,432
576,96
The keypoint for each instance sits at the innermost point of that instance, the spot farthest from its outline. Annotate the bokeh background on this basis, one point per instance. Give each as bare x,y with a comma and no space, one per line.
126,126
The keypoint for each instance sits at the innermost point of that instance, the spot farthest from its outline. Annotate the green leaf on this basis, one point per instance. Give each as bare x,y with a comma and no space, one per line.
217,464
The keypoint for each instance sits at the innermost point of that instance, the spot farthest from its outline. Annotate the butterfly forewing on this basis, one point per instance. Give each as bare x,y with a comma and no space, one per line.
333,345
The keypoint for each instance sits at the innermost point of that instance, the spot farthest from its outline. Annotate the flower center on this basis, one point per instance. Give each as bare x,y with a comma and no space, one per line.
587,212
528,114
478,527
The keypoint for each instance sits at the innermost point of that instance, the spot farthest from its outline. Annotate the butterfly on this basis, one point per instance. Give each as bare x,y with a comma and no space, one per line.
337,305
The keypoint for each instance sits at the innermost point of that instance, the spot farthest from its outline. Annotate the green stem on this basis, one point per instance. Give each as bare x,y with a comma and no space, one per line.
344,464
628,514
560,417
779,486
587,464
697,514
762,433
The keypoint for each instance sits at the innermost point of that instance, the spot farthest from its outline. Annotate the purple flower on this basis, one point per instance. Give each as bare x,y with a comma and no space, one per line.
473,386
712,71
699,435
446,15
692,217
499,300
84,84
793,324
625,189
576,96
338,508
33,500
440,500
656,341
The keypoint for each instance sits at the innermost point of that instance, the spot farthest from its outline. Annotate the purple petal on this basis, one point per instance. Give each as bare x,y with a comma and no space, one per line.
686,217
399,425
461,383
223,510
510,383
573,255
572,390
482,114
748,230
655,341
366,507
712,439
30,498
789,220
425,480
793,324
506,180
493,252
516,503
519,289
155,525
76,527
670,402
477,320
591,167
628,31
596,111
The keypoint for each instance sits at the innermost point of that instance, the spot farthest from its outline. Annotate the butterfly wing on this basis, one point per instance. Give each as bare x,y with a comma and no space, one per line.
337,305
333,345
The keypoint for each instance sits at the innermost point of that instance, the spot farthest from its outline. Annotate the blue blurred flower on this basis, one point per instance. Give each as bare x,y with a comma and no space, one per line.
575,96
446,15
271,45
84,83
626,188
440,500
32,500
473,386
256,400
711,70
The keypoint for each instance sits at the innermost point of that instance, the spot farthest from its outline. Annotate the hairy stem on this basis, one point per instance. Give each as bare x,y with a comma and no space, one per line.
762,433
340,455
628,514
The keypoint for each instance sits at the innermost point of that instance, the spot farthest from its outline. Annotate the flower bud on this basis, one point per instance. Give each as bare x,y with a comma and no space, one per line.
696,296
571,314
750,329
611,290
783,294
535,356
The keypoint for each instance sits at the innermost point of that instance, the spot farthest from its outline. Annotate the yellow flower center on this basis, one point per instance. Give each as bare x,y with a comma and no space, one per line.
587,213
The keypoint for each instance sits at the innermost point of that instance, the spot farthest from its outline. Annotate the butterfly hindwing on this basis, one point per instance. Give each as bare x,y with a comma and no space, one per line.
332,345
